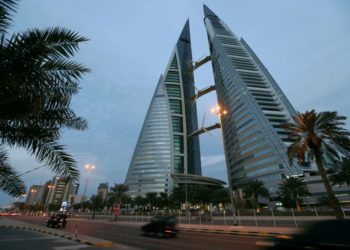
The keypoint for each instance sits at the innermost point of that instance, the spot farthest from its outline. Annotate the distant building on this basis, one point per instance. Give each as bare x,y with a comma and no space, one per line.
46,192
35,195
318,190
73,189
59,190
102,191
75,199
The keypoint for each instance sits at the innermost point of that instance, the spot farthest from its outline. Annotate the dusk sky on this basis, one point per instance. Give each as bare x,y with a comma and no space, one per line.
304,45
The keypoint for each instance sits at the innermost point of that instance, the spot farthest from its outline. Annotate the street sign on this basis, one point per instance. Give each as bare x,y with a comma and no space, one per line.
116,209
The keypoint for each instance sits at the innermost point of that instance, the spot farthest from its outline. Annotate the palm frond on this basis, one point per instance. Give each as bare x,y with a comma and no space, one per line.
53,155
10,183
7,7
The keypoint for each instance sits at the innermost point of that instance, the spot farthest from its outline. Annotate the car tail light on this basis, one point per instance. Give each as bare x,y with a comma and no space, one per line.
168,229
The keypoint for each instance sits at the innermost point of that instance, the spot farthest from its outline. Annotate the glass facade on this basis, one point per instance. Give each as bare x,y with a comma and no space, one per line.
163,147
254,141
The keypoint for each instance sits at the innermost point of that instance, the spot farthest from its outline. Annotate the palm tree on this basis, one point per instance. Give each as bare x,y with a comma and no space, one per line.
319,136
96,203
221,195
163,200
151,199
118,193
177,197
139,201
294,189
254,190
37,82
342,174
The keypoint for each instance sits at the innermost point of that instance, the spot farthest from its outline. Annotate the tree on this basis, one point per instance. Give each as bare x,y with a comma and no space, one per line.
294,189
118,193
37,82
163,200
127,200
139,201
151,199
319,136
177,197
342,173
96,203
221,195
254,190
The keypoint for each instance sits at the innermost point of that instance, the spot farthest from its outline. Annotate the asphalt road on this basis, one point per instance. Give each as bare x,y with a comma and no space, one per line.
16,239
130,235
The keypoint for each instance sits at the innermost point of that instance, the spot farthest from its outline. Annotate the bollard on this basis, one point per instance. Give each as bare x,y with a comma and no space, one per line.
342,211
225,218
239,217
273,217
256,220
295,220
318,218
76,230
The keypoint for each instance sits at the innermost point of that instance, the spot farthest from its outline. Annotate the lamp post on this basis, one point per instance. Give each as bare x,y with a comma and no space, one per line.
89,168
222,112
33,196
48,196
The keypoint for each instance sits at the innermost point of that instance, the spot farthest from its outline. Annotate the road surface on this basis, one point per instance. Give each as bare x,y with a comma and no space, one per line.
129,234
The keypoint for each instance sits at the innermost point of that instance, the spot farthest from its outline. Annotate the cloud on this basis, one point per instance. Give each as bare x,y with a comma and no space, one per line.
210,160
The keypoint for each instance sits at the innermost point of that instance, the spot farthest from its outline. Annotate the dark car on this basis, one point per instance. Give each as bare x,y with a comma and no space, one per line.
328,234
58,220
161,227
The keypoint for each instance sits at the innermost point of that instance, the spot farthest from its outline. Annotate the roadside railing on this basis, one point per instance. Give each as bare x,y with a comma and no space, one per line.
243,217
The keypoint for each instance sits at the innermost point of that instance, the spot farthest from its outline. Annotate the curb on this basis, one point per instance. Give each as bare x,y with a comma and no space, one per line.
95,244
248,233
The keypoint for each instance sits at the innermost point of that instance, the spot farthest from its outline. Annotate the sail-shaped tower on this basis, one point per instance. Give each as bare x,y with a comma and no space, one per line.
163,147
254,139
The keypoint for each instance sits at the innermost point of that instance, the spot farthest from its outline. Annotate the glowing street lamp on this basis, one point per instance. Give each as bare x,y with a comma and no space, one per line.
219,111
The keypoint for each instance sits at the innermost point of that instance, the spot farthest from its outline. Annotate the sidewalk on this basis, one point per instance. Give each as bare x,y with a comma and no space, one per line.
240,230
8,223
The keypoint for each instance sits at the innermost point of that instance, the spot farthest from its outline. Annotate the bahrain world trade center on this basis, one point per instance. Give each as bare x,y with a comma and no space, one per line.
168,152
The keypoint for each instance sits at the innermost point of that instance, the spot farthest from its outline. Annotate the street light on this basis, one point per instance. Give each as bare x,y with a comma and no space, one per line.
219,111
89,168
48,196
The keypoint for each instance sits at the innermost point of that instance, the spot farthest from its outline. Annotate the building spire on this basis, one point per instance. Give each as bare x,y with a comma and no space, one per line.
208,12
185,33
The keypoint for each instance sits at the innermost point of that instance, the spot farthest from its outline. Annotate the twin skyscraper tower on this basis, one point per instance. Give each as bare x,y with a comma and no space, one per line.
252,111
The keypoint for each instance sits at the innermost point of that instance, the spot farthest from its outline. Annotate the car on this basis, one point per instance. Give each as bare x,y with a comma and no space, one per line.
325,235
161,226
15,214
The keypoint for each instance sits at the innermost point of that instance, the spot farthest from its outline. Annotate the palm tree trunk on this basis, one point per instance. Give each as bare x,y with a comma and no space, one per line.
257,208
297,204
333,202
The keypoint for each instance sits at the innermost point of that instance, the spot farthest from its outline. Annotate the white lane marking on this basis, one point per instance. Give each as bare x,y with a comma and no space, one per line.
62,241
